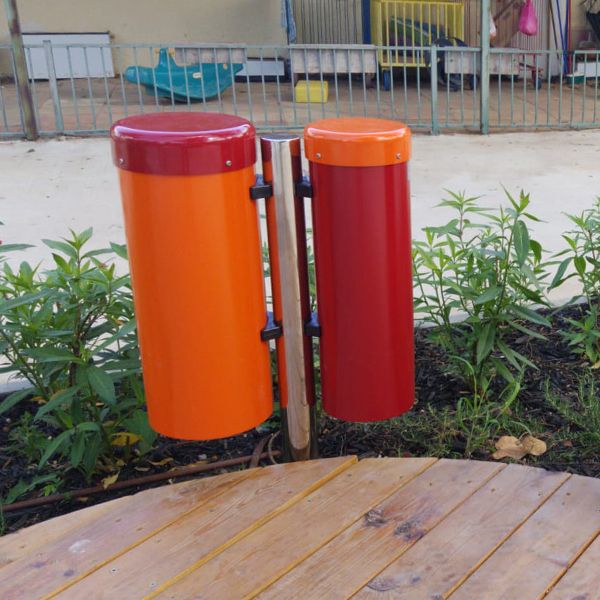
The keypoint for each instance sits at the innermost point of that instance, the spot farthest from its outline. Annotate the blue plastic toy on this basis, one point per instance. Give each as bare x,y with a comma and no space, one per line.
197,82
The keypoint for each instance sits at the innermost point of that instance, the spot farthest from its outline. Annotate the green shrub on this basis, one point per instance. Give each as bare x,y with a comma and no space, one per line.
475,283
582,258
70,332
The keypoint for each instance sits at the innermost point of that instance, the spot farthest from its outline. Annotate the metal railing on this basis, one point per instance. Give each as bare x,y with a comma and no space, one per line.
328,21
87,88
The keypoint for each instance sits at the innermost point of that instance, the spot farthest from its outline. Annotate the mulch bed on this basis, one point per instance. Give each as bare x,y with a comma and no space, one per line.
435,389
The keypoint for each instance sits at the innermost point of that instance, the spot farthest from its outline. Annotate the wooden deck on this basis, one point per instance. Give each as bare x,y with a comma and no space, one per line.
336,528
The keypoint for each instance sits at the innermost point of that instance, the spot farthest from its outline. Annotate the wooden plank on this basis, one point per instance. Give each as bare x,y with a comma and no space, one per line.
439,562
582,580
204,533
21,543
82,550
278,546
538,553
348,562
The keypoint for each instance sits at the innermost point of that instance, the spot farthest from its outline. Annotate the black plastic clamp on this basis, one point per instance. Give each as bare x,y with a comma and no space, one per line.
303,188
312,327
272,330
261,189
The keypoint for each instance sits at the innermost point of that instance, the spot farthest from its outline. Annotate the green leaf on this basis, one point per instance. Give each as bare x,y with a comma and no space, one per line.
536,248
84,236
490,294
22,487
529,315
448,229
88,426
571,242
527,331
93,448
125,329
13,247
61,262
532,217
516,359
119,249
54,446
14,399
521,242
138,424
509,354
560,272
56,400
485,343
101,383
579,262
532,295
51,355
77,449
63,247
7,305
502,370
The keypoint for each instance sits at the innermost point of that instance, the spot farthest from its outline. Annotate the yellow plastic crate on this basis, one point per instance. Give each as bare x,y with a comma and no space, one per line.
311,91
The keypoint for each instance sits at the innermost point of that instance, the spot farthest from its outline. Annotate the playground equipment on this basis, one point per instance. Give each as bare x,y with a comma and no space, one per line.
404,29
198,82
361,214
196,268
189,196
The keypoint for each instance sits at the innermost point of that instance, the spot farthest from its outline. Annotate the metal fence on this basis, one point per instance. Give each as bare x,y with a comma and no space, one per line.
328,21
431,88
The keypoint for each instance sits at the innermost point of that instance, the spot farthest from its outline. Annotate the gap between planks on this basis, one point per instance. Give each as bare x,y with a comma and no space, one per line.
270,552
344,463
208,531
457,546
547,544
582,580
361,552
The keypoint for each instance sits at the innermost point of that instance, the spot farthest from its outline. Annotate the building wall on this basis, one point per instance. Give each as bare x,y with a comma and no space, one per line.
155,21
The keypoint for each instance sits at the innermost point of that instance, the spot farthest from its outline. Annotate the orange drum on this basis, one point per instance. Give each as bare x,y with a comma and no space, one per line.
196,267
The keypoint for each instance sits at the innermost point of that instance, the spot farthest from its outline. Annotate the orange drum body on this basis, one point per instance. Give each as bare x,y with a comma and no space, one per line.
196,267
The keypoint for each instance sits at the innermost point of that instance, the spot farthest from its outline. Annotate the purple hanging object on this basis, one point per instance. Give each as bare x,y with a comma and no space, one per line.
528,22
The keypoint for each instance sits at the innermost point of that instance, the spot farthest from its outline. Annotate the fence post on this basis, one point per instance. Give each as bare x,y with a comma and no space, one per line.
433,59
58,116
281,166
14,26
366,21
484,109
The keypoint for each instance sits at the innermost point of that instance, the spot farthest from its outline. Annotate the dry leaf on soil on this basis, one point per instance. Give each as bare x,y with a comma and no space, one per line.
110,480
124,438
512,447
160,463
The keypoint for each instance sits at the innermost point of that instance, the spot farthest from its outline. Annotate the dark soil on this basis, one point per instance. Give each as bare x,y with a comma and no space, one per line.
411,435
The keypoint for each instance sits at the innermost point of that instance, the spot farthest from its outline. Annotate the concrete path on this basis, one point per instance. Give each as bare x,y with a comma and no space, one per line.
48,187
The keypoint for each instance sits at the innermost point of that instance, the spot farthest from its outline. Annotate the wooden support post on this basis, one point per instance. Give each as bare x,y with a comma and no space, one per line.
281,168
25,97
